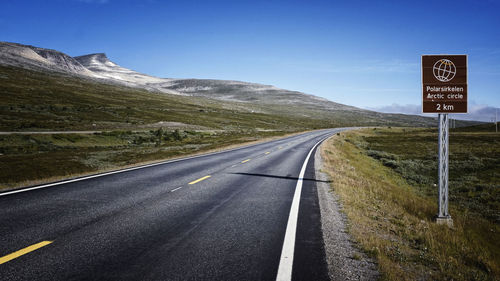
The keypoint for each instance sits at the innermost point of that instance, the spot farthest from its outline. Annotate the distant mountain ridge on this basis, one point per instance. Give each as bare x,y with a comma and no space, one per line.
98,66
216,89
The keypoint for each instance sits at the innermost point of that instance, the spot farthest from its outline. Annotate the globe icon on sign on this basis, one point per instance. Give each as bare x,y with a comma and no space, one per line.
444,70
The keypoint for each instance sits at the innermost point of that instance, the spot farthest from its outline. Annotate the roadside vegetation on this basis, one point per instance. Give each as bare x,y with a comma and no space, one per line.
385,179
35,158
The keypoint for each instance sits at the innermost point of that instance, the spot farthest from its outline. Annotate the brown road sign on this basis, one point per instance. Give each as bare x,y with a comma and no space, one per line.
444,83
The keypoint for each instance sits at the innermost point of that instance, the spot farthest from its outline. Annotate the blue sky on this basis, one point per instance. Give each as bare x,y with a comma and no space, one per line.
361,53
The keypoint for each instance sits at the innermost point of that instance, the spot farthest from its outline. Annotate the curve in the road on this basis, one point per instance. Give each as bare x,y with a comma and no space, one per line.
221,216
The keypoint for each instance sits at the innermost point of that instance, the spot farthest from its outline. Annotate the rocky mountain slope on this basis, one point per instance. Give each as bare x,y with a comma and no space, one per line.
31,57
214,89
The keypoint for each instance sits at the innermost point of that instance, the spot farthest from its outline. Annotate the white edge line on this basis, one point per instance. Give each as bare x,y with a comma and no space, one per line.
286,260
131,169
175,189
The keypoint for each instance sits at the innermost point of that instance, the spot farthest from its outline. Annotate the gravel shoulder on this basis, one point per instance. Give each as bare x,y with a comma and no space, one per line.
345,260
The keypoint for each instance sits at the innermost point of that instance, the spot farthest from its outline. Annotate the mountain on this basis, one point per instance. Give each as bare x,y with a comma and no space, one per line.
214,89
100,68
35,58
100,65
97,69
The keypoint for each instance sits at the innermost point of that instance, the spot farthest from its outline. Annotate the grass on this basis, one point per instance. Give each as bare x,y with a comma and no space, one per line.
30,158
391,211
474,171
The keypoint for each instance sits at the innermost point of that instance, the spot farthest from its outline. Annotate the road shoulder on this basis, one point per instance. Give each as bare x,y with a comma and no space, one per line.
345,260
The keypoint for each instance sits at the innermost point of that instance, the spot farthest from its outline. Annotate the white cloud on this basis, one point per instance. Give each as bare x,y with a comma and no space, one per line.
412,109
477,112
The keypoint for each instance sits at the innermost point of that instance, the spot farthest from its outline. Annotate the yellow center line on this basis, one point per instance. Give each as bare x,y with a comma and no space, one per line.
200,179
244,161
24,251
267,152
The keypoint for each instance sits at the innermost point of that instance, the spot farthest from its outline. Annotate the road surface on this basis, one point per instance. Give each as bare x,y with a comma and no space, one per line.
242,214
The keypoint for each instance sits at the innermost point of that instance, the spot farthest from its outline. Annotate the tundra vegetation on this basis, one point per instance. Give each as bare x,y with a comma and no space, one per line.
28,159
386,181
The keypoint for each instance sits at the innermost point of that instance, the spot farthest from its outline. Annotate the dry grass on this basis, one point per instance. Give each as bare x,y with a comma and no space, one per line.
394,223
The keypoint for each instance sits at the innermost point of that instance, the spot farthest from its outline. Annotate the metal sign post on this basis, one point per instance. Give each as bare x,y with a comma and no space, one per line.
444,90
443,216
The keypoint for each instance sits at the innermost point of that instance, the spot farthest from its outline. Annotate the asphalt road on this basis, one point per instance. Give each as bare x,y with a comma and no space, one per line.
221,216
